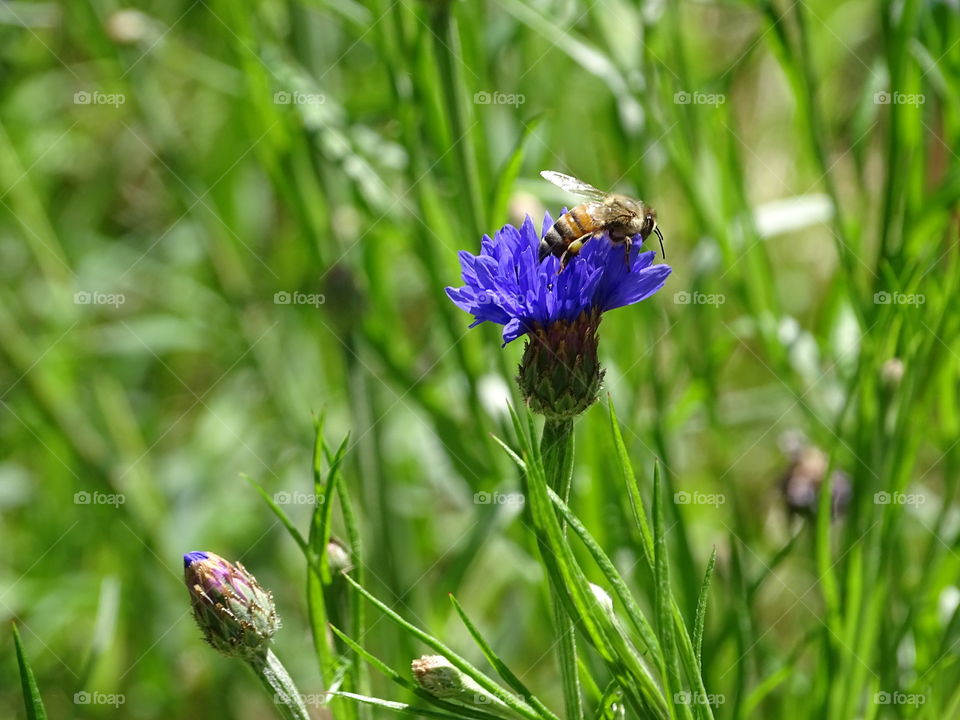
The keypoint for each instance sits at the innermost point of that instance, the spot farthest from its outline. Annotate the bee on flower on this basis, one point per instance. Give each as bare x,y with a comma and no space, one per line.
510,284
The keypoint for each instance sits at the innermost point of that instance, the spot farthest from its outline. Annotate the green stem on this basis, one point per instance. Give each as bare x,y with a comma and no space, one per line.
556,447
279,685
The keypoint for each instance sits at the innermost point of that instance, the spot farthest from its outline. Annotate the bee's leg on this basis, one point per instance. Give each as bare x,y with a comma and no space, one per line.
572,249
627,241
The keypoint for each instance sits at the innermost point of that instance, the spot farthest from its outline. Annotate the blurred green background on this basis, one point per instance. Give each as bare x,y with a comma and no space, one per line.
219,219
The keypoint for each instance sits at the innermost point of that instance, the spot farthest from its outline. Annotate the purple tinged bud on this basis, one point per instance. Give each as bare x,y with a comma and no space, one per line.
236,615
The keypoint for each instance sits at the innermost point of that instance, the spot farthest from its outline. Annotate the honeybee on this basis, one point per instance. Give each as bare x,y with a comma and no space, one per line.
620,216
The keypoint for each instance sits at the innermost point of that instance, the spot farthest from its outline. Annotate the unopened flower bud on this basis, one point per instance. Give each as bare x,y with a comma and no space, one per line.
338,556
440,678
236,615
129,26
892,371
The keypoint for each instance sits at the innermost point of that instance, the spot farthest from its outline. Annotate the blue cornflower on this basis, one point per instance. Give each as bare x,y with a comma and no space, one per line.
508,285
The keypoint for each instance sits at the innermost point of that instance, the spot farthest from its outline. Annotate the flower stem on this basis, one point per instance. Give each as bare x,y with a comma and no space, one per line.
278,683
556,447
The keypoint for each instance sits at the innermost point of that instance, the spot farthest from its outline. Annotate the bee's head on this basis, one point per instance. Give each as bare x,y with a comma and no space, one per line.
650,226
649,223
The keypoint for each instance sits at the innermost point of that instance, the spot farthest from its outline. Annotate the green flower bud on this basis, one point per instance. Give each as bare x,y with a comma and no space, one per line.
235,614
560,373
436,675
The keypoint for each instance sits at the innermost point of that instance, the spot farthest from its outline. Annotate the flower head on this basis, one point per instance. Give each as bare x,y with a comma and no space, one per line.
507,284
560,312
235,614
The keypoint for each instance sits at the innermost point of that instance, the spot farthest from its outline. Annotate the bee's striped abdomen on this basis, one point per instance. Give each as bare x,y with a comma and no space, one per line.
573,224
580,221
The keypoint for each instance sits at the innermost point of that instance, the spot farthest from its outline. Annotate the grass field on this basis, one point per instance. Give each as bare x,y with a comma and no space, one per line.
221,223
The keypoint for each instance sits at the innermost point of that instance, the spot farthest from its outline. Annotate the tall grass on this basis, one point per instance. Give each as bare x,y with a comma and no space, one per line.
802,159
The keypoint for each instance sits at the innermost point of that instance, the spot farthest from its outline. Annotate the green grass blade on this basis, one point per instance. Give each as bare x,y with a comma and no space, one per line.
640,690
498,664
281,515
633,490
355,607
402,708
508,174
701,618
406,682
556,449
509,450
31,693
613,576
486,683
663,599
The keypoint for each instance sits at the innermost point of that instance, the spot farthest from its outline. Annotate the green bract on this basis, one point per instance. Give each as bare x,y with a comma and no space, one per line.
560,373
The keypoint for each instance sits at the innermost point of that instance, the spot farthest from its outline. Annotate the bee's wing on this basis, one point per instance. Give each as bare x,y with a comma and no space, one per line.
572,185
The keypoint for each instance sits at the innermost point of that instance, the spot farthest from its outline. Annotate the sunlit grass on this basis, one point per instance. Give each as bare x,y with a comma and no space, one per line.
801,157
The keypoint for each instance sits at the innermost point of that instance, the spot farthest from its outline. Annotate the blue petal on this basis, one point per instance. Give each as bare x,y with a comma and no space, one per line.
512,330
192,557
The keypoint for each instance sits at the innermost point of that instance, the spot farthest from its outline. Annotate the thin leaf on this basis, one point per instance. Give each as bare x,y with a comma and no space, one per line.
281,515
613,576
662,598
701,618
508,173
402,708
640,690
501,667
28,684
455,659
513,456
633,490
405,682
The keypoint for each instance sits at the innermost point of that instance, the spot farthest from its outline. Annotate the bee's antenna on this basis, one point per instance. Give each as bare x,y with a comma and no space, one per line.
660,235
